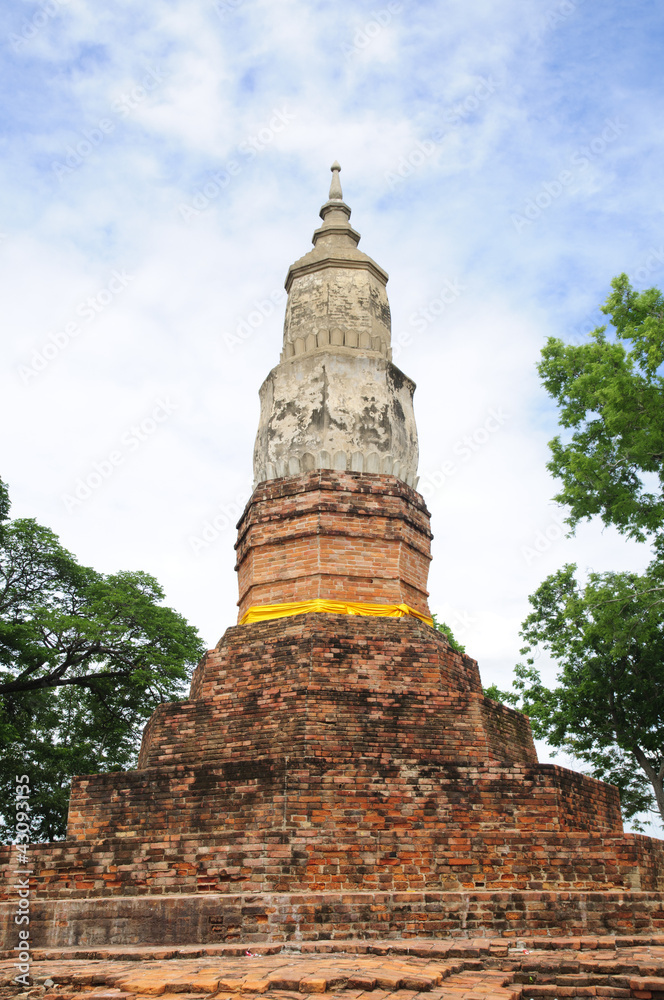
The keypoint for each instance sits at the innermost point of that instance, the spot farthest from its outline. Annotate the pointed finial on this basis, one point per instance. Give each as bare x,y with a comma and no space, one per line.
335,186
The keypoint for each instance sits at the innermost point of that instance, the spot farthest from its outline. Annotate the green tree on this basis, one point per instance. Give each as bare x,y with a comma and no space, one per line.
608,706
4,504
504,697
84,660
493,691
607,637
447,632
611,396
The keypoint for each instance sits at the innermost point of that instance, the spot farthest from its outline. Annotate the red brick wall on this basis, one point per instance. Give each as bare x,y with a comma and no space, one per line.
233,917
327,754
423,804
340,535
325,730
339,686
314,860
361,652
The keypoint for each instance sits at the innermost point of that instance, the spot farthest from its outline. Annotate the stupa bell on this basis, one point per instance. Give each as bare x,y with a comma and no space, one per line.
335,400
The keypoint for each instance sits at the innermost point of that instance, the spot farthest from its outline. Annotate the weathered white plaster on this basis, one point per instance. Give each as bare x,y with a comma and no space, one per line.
336,408
336,400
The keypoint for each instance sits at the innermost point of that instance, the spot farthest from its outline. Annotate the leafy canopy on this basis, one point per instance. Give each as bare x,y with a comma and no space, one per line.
84,660
611,395
447,632
608,707
607,637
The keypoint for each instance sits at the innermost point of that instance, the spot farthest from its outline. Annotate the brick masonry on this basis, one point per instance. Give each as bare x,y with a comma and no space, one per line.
449,968
332,776
339,535
254,918
336,775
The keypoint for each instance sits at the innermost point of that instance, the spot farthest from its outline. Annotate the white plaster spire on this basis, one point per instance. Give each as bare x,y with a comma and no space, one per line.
335,213
335,400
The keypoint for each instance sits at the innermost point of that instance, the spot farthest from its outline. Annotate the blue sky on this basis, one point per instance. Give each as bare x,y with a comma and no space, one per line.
164,163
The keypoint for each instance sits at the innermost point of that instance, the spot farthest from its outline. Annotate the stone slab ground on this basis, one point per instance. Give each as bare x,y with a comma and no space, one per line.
480,969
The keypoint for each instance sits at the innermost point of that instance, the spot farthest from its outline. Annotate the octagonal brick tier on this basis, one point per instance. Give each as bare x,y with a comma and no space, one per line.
341,536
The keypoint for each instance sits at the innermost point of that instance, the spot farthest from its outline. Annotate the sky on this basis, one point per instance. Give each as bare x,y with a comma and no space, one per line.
164,163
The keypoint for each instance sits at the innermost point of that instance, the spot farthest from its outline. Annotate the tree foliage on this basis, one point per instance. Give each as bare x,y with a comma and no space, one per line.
447,632
504,697
607,637
608,706
611,396
84,660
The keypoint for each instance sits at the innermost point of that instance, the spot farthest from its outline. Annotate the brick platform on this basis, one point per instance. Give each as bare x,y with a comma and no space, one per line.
339,535
339,776
204,918
481,969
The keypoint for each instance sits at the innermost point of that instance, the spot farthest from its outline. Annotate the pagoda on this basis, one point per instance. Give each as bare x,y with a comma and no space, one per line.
337,771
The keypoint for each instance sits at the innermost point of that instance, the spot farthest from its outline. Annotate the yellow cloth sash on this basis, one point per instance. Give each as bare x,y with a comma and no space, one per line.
264,612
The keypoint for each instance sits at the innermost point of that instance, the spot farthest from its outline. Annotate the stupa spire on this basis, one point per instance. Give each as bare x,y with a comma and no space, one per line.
336,231
335,400
335,186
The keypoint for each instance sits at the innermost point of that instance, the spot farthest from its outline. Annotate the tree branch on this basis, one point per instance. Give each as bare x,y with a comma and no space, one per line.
47,682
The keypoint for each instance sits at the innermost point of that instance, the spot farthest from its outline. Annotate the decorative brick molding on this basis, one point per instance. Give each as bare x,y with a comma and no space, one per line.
339,535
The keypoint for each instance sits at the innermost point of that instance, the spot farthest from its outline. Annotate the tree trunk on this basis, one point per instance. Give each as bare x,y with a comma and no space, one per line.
656,778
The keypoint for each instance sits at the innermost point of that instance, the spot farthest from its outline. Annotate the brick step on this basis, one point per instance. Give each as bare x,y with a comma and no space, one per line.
584,955
257,973
400,970
382,981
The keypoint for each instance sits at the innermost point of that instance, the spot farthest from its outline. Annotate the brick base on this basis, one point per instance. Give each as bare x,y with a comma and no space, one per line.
344,536
181,920
340,776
